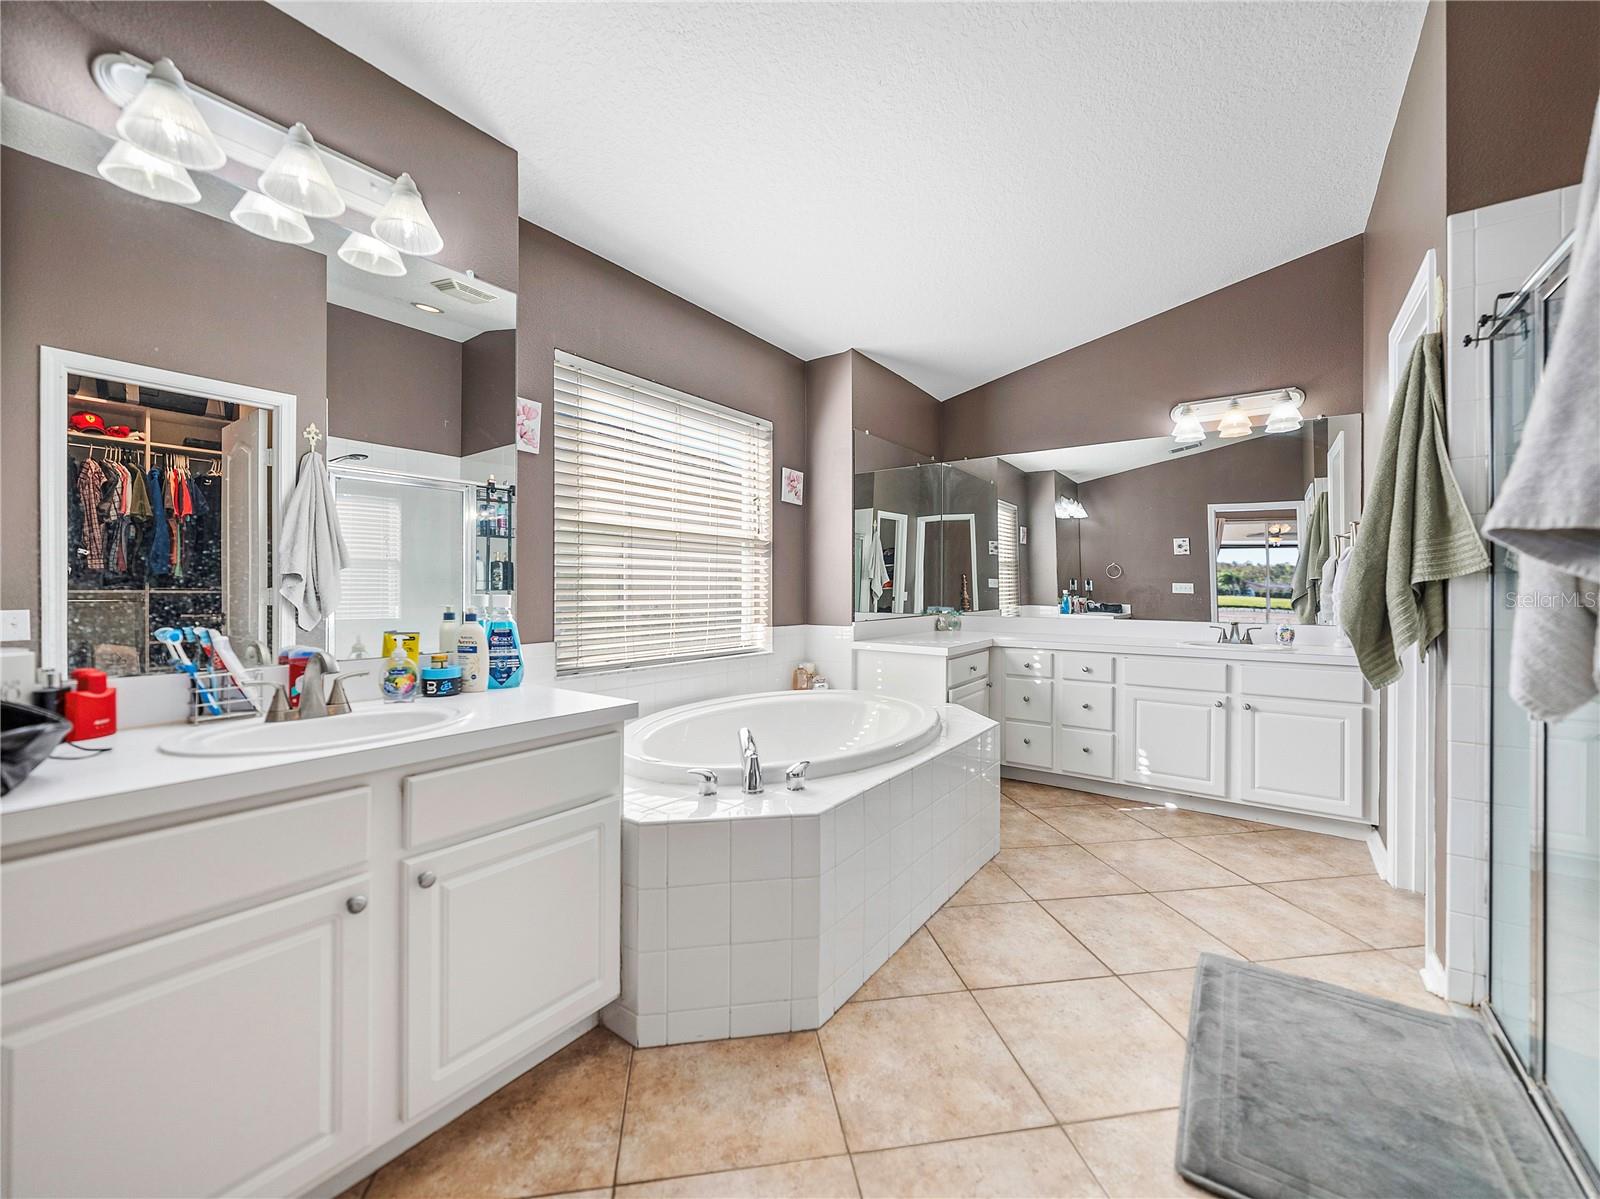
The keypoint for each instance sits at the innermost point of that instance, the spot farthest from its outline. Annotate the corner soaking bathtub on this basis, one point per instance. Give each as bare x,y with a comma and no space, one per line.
836,731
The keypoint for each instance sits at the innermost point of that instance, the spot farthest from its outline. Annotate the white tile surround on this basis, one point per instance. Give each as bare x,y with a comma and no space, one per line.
744,915
1489,251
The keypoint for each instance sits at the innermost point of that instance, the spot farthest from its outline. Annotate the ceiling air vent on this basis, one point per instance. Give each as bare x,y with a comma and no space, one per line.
456,289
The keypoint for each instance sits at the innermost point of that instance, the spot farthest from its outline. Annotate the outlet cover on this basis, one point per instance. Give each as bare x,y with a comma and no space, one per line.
1183,589
1022,534
15,624
1180,545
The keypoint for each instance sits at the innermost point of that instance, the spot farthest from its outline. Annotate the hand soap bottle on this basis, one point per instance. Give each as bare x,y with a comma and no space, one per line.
472,653
505,650
399,678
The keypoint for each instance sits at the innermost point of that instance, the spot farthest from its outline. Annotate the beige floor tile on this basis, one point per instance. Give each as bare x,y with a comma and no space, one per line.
600,1193
1414,956
1062,872
1258,924
1372,972
1020,827
1163,865
1180,822
1039,1162
1169,992
1086,824
552,1129
1364,906
724,1105
1132,1156
1092,1047
1131,933
819,1178
1003,944
1284,855
356,1190
1037,795
916,968
990,885
925,1068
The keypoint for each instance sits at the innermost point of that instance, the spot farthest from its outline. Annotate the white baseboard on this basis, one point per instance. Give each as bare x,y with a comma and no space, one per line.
1433,975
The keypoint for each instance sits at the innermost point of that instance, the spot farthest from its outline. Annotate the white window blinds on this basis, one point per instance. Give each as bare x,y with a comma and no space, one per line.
1009,585
663,523
370,581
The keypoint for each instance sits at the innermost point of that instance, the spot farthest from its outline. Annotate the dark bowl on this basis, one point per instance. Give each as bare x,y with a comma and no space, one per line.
27,737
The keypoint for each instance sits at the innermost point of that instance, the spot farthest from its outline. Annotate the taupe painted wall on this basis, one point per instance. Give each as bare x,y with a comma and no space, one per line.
887,405
1134,516
1297,324
1520,96
830,486
573,300
263,59
488,389
393,384
89,267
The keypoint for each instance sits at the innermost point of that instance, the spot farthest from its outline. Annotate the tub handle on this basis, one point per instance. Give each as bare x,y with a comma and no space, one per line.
794,778
708,780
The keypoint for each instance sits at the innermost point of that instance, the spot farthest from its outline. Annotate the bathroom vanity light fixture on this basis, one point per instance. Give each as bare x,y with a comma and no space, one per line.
404,222
161,119
1232,415
371,255
297,178
1234,422
1186,427
1285,418
1068,508
143,174
265,217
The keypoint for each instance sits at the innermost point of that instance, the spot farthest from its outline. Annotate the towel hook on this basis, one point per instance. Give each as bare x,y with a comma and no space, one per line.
313,435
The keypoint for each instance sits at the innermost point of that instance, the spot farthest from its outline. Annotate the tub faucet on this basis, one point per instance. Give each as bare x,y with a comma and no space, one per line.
752,762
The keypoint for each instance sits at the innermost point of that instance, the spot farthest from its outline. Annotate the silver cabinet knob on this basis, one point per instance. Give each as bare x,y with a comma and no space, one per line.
356,904
1027,699
427,878
1218,704
1088,670
1085,707
1032,666
972,670
1085,749
1026,741
1248,708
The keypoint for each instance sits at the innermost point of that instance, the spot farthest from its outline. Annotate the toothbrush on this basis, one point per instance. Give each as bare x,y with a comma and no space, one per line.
173,640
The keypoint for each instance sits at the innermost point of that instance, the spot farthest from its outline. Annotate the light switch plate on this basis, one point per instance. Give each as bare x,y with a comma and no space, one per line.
15,624
1183,589
1180,545
1022,534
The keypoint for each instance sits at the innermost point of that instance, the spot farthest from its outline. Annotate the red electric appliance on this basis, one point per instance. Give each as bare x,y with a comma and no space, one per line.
91,706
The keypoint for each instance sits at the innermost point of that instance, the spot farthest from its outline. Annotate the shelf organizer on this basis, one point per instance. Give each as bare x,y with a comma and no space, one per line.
495,538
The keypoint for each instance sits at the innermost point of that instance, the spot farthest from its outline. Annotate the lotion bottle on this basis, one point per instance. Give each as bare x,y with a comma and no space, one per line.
472,653
449,631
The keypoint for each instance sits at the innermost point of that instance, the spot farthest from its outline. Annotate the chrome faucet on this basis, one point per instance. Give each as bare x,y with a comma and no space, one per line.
1228,634
313,702
752,763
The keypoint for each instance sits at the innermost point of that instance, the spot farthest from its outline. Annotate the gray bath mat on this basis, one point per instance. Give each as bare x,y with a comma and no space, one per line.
1297,1088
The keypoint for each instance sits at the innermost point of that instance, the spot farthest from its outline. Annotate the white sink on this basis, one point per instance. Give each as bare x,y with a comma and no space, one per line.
370,727
1266,647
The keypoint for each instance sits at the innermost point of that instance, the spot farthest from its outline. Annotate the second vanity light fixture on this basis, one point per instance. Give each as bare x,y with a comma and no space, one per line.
168,128
1232,415
1068,508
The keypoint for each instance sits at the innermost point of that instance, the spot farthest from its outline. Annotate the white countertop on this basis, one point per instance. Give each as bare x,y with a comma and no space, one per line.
136,781
953,645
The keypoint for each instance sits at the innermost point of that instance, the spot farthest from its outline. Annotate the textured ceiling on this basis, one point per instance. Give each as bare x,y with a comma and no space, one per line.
957,190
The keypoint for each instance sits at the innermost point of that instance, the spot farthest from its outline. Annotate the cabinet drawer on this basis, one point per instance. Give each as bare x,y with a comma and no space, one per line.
1028,744
1188,674
968,668
1085,705
62,906
446,805
1304,682
1029,663
1084,752
1078,667
1028,699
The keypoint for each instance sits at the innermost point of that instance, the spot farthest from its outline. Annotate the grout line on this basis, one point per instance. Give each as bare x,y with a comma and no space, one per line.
622,1119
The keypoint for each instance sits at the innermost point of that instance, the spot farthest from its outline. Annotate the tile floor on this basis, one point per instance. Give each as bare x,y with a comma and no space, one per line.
1027,1041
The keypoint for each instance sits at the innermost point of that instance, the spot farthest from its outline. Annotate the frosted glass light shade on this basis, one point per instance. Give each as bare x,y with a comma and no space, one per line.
162,120
1234,423
404,222
1187,429
297,178
1285,418
131,169
371,255
265,217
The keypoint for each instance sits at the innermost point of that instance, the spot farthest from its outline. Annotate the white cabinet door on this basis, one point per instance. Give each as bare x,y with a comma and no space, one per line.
230,1058
1173,739
974,697
509,939
1305,755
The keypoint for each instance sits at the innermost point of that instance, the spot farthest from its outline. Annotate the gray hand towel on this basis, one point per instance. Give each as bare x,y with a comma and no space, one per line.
1305,590
311,551
1548,510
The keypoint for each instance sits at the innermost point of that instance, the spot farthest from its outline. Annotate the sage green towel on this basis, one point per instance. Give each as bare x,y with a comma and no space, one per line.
1415,531
1306,591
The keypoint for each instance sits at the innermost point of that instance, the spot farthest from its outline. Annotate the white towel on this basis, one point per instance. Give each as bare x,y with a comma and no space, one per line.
877,574
311,551
1548,511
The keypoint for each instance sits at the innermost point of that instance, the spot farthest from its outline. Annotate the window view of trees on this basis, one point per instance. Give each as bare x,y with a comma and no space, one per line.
1256,557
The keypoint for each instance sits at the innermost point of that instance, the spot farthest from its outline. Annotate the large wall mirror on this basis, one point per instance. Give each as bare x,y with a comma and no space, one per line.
161,490
1130,530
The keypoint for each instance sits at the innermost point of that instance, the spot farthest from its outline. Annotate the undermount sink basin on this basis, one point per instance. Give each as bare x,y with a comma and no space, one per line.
1264,646
368,727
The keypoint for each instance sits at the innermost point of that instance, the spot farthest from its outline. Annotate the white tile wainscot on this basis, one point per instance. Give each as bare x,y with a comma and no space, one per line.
749,914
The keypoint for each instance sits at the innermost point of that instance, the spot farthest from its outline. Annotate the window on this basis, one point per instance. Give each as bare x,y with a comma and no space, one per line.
370,581
1008,559
1255,560
663,524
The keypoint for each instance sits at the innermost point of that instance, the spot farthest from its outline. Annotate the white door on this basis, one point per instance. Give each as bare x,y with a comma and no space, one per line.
1305,755
509,939
226,1059
1176,740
